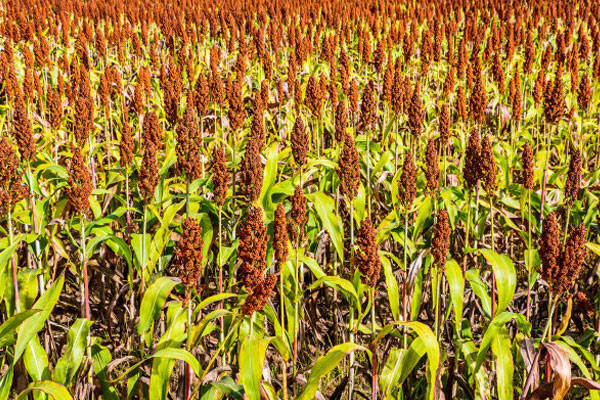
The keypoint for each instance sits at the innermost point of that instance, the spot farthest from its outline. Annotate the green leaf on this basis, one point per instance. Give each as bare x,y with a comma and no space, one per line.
454,277
198,330
424,213
36,360
141,254
252,355
341,284
494,329
215,298
33,324
8,328
28,287
8,252
399,365
593,247
53,389
207,235
392,287
501,347
77,341
433,352
506,277
270,175
153,301
417,295
324,365
229,388
480,290
311,263
102,357
6,383
120,247
162,368
359,203
325,207
180,354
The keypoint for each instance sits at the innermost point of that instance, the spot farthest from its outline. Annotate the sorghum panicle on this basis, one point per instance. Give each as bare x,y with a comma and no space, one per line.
440,242
366,258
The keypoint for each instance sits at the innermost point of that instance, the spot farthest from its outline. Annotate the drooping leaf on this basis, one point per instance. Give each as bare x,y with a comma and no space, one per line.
325,365
561,366
53,389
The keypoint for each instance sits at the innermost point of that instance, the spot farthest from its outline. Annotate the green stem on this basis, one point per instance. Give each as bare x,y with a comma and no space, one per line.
467,230
86,301
528,254
373,348
221,319
548,328
351,312
351,361
188,369
368,162
475,241
397,144
438,279
296,292
41,282
282,313
144,258
13,263
493,249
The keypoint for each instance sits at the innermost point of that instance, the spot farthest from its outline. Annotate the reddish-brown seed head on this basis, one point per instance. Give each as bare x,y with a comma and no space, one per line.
366,258
80,184
280,234
528,166
220,175
187,258
440,242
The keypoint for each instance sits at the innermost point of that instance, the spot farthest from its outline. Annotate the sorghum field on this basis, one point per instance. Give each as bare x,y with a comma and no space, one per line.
285,199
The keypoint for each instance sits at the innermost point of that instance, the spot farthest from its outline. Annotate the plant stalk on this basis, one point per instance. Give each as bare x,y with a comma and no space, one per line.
527,312
86,297
13,263
493,249
373,348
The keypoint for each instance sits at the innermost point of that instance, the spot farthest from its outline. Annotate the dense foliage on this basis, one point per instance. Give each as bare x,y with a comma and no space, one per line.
299,199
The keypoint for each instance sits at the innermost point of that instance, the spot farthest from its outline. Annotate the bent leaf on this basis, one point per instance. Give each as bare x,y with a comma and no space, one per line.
53,389
325,365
